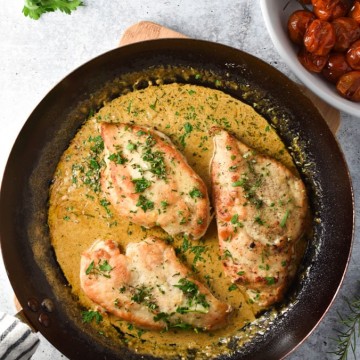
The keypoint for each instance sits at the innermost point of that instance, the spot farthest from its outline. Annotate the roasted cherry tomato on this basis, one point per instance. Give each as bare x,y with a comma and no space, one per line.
319,37
330,9
335,67
298,23
313,63
353,55
347,31
355,12
349,86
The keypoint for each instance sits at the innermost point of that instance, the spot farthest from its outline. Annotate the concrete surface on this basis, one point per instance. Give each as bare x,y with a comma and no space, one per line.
35,55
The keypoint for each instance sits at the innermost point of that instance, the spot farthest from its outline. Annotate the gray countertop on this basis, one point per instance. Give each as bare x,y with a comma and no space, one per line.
35,55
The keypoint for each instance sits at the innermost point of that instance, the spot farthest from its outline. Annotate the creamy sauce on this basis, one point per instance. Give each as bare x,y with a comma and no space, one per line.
79,213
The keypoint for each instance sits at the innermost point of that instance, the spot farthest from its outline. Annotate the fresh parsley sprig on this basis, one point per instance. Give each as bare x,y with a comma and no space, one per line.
35,8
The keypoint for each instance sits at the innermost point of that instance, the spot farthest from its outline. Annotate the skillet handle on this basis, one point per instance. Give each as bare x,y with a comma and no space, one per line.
18,339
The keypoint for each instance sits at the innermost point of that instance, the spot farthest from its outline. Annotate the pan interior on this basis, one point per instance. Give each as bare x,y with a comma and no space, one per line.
58,117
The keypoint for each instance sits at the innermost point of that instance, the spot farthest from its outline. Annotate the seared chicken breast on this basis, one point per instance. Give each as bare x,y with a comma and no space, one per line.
261,209
148,287
149,182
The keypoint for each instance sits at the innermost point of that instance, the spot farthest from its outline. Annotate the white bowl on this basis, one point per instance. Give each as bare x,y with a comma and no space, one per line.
276,14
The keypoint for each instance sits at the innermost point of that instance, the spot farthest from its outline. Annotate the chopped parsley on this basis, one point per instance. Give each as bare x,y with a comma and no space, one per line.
194,297
258,220
270,280
227,254
141,184
105,203
197,250
284,219
238,183
188,128
232,287
196,193
89,171
164,204
143,295
117,158
154,158
103,268
144,203
235,219
131,146
90,315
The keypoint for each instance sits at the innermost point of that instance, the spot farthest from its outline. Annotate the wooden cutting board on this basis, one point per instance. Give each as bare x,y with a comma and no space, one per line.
147,30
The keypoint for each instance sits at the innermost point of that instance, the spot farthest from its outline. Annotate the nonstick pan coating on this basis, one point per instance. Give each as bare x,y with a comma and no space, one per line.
28,255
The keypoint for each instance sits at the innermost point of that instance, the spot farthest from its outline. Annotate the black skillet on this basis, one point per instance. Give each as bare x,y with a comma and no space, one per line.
29,258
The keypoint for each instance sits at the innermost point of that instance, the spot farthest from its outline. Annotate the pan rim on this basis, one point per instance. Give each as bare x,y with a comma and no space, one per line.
132,46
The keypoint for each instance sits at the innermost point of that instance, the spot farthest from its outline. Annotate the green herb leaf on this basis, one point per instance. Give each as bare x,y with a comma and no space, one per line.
270,280
90,315
131,146
35,8
232,287
284,219
141,184
145,203
191,291
117,158
258,220
196,193
105,203
238,183
103,268
154,158
234,219
188,128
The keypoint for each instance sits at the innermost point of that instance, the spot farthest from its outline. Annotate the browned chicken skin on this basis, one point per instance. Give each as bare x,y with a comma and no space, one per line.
149,182
149,287
261,210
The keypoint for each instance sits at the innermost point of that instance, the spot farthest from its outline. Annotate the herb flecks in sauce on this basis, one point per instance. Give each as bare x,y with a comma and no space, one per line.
179,112
102,268
91,315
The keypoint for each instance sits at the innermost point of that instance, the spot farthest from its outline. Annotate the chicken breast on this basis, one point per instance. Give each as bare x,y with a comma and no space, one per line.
149,182
261,210
149,287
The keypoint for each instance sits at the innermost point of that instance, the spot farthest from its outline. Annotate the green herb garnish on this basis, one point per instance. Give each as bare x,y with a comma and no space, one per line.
284,219
103,268
144,203
141,184
35,8
154,158
270,280
232,287
90,315
143,295
194,297
196,193
105,203
238,183
117,158
187,130
89,172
